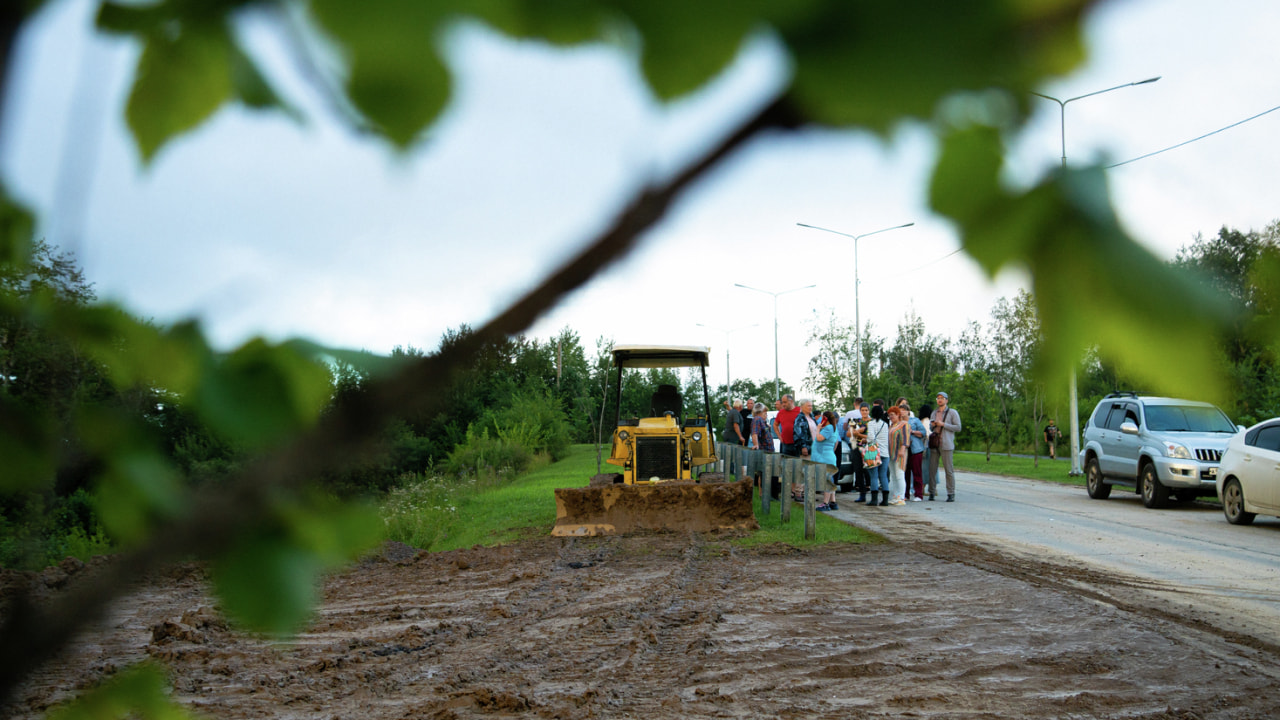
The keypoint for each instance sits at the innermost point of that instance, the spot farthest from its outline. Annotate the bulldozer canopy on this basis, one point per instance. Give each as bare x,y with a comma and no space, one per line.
660,356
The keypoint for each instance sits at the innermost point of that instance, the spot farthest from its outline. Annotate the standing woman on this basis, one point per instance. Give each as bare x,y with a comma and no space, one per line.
899,442
823,453
857,429
761,434
878,435
919,445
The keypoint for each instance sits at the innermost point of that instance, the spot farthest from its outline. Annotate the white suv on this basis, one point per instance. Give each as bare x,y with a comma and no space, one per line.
1157,446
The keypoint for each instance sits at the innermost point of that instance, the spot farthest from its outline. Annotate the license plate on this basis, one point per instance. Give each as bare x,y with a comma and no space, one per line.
1213,472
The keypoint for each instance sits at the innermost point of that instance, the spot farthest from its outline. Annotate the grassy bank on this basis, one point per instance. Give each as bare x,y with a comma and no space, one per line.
1053,470
438,514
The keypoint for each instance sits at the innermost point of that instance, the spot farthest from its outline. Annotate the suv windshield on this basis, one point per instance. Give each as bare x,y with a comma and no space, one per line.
1188,418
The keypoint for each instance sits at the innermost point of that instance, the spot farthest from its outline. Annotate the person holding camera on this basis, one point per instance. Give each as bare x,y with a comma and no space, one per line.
945,423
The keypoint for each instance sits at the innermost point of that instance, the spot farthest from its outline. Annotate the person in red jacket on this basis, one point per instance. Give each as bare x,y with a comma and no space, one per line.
784,426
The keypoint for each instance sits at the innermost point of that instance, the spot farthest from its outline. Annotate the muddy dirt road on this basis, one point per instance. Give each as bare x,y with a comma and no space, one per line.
1187,554
680,626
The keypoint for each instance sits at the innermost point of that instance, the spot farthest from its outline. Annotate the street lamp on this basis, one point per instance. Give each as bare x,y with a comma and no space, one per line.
857,318
1073,402
777,385
728,391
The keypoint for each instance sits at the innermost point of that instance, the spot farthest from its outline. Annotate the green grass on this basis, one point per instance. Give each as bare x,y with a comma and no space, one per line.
1052,470
828,530
437,514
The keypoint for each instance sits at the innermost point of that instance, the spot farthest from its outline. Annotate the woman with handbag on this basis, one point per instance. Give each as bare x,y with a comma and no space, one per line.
873,456
899,440
823,453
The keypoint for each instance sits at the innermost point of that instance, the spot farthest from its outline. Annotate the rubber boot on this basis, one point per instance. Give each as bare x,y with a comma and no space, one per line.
885,499
874,494
862,497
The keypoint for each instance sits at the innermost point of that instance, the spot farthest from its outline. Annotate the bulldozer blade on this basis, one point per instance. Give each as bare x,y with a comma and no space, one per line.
685,506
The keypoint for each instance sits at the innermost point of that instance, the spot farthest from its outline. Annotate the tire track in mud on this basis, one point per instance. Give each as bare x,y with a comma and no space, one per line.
1124,592
611,618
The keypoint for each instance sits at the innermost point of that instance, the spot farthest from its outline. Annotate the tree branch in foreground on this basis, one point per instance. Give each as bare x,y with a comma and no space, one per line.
31,636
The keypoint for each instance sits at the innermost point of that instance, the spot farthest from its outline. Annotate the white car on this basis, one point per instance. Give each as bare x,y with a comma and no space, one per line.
1249,474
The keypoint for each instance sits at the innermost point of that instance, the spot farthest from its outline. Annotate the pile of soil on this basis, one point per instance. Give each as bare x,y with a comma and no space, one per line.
669,625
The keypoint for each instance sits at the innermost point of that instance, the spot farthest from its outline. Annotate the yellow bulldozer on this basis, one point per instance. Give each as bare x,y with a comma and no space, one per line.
659,483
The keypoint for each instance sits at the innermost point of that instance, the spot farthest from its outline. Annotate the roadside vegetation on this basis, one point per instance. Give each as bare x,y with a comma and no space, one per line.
1058,471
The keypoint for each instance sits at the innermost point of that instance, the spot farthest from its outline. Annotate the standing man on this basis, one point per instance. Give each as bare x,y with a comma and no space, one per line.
1051,438
784,426
944,420
733,433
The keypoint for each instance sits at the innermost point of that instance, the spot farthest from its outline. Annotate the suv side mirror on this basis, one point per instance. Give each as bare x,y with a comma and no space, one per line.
1128,428
1240,428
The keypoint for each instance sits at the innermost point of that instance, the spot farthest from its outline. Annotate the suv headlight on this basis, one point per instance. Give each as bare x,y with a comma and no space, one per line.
1174,450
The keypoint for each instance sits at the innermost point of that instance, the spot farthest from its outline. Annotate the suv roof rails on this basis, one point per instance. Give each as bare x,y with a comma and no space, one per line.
1122,393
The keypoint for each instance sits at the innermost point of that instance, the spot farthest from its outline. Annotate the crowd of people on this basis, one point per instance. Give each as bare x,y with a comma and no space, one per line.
886,448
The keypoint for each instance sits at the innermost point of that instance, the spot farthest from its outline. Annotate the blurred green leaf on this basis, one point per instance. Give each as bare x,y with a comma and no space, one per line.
132,18
141,691
874,63
268,582
139,487
685,44
137,353
183,77
397,77
334,532
260,394
562,22
1093,284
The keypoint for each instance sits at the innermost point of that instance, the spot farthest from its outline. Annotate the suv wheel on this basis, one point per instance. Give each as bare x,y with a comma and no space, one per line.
1154,495
1233,504
1098,490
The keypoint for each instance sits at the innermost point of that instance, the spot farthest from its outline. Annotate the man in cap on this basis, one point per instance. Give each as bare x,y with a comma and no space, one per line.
945,420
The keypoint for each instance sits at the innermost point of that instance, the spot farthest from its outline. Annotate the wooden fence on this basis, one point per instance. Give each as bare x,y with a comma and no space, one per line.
745,464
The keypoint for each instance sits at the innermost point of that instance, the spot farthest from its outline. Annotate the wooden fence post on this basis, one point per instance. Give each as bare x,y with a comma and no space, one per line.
789,468
766,484
810,501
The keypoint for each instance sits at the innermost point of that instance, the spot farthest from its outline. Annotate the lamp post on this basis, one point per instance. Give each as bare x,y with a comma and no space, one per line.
857,317
777,385
1073,403
728,391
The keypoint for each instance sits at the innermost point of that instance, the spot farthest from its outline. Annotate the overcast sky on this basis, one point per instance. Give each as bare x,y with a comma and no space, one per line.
260,226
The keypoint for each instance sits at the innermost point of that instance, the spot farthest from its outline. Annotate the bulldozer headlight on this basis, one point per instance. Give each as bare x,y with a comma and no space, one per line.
697,437
623,435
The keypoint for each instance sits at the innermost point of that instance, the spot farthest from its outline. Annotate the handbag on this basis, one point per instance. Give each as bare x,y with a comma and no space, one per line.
871,456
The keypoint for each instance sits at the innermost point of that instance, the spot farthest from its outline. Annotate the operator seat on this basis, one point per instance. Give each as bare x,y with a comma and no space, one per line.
667,400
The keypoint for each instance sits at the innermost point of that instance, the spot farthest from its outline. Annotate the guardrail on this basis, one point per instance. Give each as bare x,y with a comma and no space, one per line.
751,465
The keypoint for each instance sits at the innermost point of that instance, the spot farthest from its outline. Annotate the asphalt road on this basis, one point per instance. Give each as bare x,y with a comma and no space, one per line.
1188,554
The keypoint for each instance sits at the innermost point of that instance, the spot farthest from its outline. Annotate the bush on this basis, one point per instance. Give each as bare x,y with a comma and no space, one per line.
33,536
533,420
419,511
482,455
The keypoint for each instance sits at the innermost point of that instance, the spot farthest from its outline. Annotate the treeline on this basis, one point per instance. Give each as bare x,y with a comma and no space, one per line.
526,398
990,369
